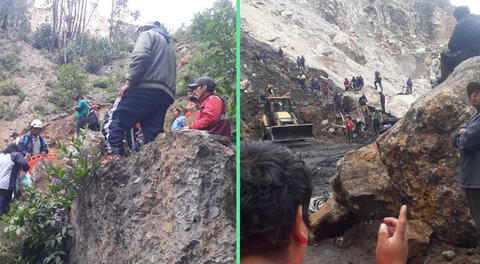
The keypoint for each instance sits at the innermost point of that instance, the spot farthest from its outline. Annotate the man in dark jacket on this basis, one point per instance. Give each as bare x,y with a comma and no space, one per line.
464,42
212,114
382,101
149,90
378,79
409,86
467,140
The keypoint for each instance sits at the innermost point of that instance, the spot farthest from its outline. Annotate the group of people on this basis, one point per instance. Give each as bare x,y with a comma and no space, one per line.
150,90
355,84
140,107
14,159
325,86
301,62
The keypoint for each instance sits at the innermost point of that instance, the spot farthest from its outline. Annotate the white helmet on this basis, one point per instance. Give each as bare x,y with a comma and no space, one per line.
36,124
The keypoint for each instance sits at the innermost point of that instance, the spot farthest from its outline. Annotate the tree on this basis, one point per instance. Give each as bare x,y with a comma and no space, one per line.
13,14
215,30
117,15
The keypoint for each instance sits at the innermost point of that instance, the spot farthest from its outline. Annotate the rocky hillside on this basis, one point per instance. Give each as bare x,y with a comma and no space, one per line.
399,38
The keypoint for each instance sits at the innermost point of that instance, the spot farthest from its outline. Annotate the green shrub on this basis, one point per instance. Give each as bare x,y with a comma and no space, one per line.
11,245
43,36
40,109
7,112
3,76
42,216
99,52
122,45
70,82
9,88
9,61
104,82
70,54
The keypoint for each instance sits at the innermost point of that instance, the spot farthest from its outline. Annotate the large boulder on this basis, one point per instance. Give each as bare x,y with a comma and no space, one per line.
414,164
171,202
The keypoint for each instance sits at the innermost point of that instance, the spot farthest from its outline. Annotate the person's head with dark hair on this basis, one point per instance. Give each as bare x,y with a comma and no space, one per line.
461,12
11,148
202,86
177,112
79,97
275,194
473,92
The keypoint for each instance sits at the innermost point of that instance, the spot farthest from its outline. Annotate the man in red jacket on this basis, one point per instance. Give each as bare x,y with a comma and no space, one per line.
211,115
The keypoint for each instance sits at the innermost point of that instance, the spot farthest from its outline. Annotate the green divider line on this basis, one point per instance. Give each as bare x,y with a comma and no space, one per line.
237,129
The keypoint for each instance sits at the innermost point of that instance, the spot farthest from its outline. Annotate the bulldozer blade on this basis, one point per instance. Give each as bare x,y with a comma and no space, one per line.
290,132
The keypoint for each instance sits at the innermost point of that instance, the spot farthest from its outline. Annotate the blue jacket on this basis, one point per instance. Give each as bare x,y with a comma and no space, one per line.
469,145
178,123
26,146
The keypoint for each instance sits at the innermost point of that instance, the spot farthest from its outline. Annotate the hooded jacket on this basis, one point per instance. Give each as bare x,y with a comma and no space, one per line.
153,62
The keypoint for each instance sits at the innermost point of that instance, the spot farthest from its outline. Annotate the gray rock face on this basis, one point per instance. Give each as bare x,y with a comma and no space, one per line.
414,164
171,202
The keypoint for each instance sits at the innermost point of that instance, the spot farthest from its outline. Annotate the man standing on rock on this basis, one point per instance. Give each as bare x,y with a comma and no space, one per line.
467,140
409,86
211,115
148,92
464,42
378,79
81,113
382,101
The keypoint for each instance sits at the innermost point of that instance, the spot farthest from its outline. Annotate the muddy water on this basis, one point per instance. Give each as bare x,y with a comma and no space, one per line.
321,156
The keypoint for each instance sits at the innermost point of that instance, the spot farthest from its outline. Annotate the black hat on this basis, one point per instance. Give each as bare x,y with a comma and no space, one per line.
203,81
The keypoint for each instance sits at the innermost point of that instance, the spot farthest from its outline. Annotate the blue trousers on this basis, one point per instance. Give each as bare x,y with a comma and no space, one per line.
146,106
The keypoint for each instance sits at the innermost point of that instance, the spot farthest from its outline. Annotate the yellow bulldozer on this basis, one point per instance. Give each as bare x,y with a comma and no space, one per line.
280,124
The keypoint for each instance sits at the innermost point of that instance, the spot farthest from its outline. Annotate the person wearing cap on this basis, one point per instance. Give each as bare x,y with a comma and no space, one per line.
148,92
81,113
15,138
211,114
32,143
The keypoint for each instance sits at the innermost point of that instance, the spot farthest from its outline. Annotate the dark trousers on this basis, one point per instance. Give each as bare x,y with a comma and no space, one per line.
449,60
379,83
81,123
473,197
146,106
383,106
5,199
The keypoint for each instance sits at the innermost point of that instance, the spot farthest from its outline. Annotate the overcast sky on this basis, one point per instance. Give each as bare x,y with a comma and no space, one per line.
172,13
473,4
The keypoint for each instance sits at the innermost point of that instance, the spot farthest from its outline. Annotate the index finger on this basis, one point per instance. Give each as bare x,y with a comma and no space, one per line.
402,223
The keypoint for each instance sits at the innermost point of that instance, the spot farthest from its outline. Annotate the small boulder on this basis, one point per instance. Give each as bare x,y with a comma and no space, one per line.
449,254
